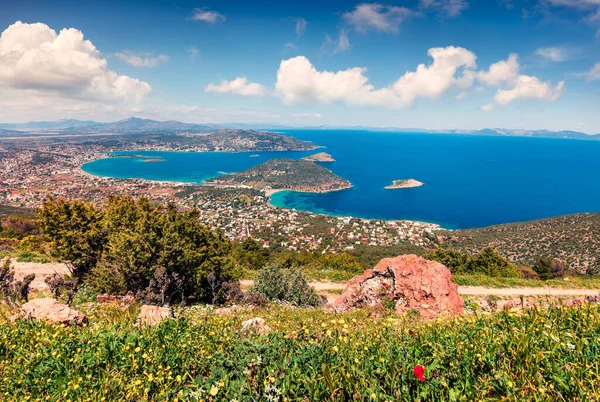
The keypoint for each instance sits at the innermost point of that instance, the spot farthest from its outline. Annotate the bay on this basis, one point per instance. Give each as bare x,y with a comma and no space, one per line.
470,181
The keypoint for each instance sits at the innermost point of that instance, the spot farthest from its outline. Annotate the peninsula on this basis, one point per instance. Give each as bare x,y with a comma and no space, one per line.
285,174
319,157
404,183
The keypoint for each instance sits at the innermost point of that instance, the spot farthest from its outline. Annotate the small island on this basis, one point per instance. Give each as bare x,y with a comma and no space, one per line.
320,157
284,174
404,183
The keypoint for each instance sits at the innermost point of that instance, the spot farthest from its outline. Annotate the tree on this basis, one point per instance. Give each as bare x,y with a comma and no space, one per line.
156,252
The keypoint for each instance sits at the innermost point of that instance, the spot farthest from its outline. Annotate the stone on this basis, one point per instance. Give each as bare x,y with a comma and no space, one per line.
152,315
410,282
256,325
51,310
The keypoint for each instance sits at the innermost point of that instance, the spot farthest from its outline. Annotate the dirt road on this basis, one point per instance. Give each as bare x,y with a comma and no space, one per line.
44,270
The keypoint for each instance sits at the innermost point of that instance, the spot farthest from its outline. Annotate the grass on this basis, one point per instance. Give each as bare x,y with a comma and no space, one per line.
310,355
571,282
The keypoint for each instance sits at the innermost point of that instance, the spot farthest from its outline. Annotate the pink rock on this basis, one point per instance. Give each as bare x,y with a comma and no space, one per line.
51,310
412,282
152,315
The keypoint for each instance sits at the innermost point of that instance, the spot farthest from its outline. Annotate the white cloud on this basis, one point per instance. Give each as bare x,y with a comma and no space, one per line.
34,59
594,73
504,71
239,86
461,95
553,53
141,59
531,88
306,115
450,8
487,108
205,15
298,81
513,86
341,45
378,17
301,25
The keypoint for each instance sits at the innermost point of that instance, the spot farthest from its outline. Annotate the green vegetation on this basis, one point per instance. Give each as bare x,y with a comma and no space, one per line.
570,282
158,254
284,285
290,174
574,239
488,263
540,355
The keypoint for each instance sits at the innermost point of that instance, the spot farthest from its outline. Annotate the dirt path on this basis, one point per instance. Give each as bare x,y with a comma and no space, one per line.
545,291
44,270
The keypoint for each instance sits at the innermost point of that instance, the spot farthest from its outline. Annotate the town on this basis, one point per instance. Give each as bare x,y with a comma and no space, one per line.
29,174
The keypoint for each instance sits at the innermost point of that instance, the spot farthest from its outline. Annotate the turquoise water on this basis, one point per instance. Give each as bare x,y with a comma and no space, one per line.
469,181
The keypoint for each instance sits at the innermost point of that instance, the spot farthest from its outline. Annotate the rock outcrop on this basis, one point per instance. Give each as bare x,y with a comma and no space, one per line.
152,315
256,325
410,282
51,310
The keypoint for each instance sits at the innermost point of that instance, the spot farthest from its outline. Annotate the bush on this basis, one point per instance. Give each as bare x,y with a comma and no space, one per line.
527,272
285,285
135,246
549,268
488,262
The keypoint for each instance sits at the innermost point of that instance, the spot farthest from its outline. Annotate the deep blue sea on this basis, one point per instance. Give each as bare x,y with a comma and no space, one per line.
470,181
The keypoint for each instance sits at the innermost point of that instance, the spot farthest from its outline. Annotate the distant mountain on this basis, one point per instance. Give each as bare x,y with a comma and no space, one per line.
47,125
135,125
491,132
10,133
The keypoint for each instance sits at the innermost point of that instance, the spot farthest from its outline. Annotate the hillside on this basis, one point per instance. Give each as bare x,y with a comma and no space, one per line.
287,174
574,239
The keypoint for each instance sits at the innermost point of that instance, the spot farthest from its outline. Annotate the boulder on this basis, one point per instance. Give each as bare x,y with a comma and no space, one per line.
256,325
410,282
51,310
152,315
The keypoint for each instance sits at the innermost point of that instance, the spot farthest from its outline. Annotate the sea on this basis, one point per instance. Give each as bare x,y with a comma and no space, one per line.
469,181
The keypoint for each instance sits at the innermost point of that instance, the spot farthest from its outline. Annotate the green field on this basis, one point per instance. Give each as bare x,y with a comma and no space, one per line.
310,355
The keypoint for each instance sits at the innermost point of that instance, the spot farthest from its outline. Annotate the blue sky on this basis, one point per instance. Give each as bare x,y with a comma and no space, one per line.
306,63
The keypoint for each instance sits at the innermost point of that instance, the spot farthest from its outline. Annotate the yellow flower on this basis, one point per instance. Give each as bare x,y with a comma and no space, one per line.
214,391
178,378
150,377
336,349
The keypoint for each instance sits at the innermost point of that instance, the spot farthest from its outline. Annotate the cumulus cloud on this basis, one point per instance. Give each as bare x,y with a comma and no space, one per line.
298,81
501,72
239,86
341,45
34,58
530,88
449,8
377,17
206,15
513,86
553,53
141,59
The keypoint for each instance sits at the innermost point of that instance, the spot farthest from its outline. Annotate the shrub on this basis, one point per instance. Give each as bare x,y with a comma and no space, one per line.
490,263
549,268
286,285
135,246
455,261
527,272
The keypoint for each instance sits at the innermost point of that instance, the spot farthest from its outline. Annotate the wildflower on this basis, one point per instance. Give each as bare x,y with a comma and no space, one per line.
571,346
419,372
411,332
214,390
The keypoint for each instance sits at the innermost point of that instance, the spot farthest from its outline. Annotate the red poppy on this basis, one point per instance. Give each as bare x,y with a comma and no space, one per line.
419,373
410,331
